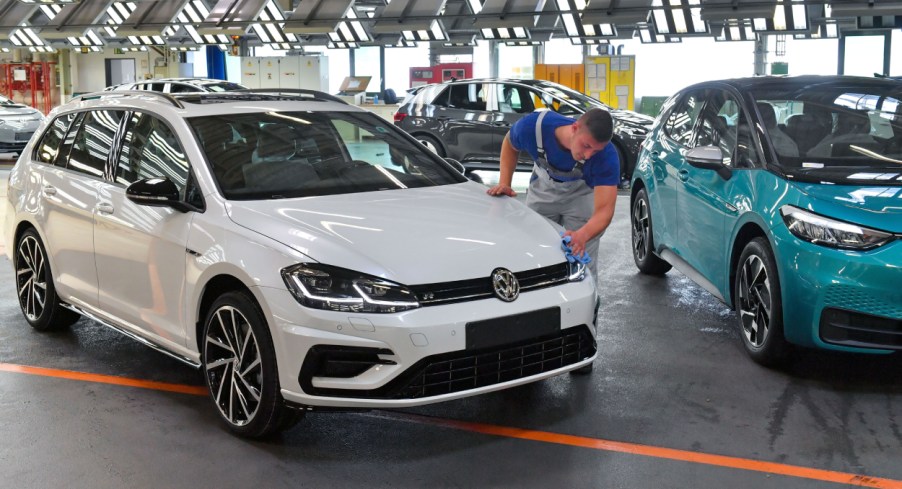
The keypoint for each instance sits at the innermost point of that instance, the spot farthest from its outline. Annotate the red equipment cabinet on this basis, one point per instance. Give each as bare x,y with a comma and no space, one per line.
441,72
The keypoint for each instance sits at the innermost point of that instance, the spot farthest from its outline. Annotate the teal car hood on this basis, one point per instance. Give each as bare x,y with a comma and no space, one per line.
871,206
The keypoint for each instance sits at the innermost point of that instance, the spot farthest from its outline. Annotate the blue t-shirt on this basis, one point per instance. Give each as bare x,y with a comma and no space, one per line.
603,168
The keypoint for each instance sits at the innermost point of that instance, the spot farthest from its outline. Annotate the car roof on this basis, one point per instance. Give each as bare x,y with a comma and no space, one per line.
803,82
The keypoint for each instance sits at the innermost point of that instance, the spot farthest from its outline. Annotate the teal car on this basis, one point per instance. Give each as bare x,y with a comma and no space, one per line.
782,196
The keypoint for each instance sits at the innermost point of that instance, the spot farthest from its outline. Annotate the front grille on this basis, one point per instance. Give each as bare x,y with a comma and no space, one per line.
12,147
465,370
24,136
857,298
849,328
481,288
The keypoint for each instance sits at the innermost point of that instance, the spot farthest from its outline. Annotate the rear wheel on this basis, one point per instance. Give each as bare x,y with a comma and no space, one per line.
34,285
759,305
431,143
643,246
240,368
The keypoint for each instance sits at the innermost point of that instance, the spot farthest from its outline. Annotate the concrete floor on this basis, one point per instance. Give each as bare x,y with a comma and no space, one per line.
673,403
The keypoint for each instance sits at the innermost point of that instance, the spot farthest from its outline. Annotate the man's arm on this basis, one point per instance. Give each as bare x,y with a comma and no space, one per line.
509,156
605,197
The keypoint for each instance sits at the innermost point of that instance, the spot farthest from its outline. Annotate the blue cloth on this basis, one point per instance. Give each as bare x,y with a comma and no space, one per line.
603,168
568,252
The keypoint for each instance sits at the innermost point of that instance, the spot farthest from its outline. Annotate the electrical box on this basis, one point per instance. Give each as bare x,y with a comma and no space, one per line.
611,79
269,73
250,72
569,75
307,72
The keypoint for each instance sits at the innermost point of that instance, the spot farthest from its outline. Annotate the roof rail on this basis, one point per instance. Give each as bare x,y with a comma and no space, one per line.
164,96
316,94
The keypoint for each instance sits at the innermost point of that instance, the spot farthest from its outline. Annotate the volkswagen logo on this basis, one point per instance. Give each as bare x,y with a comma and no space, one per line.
505,284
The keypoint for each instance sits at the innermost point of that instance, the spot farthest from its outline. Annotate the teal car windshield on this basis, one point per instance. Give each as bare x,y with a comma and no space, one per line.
834,130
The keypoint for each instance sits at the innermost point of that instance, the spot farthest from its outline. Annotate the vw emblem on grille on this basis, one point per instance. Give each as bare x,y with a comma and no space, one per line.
505,284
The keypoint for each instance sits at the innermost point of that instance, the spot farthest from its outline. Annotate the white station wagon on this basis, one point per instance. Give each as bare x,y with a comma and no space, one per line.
303,252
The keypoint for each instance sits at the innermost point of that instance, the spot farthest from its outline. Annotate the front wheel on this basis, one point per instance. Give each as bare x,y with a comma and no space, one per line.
759,304
40,305
643,246
431,144
240,368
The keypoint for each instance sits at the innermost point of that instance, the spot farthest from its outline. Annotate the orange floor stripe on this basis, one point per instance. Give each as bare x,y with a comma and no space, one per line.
104,379
518,433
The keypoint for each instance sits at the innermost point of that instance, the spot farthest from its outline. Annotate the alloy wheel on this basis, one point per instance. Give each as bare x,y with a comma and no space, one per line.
429,145
755,301
30,281
640,229
233,366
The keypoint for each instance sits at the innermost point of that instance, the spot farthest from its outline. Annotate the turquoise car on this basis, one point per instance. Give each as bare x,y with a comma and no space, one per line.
782,196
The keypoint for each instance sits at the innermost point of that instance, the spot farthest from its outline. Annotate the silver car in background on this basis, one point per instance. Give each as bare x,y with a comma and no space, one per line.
17,124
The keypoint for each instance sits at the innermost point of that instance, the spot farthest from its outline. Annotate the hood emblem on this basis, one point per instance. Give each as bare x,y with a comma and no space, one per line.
505,284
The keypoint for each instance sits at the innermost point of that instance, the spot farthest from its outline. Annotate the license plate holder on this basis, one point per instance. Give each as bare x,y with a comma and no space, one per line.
512,329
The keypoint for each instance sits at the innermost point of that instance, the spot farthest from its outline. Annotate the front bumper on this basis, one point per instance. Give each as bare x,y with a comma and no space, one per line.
423,353
15,136
829,294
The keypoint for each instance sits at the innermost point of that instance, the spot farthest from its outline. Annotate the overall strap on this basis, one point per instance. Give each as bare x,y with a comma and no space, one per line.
562,176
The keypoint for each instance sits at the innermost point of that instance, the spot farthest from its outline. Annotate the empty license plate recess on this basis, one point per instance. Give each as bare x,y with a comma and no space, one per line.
511,329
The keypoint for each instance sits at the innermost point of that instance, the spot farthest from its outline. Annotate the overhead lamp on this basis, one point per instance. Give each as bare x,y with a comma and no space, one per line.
647,35
195,12
282,46
26,37
678,17
504,33
475,6
41,49
460,40
737,30
436,32
90,39
789,16
830,30
342,45
523,43
49,2
133,49
350,31
146,40
116,15
723,10
269,30
577,41
182,49
403,43
52,10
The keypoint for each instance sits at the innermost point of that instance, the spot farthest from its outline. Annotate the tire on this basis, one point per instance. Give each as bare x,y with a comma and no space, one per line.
248,398
642,238
756,295
38,301
432,144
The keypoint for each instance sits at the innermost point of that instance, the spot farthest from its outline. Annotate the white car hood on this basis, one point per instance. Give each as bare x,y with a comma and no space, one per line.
412,236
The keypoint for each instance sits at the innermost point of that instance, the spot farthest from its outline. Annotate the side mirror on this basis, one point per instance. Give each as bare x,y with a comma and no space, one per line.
457,165
709,158
156,192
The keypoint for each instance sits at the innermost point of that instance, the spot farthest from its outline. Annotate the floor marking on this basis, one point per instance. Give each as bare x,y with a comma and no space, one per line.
517,433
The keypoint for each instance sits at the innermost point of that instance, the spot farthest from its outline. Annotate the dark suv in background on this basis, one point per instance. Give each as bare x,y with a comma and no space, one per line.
467,119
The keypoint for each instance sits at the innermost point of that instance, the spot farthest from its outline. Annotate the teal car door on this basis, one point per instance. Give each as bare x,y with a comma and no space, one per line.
703,195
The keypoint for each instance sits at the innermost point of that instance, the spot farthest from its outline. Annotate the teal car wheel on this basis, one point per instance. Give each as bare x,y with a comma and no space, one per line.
643,247
759,304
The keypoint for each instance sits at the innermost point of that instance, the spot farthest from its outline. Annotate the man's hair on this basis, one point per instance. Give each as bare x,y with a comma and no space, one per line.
599,123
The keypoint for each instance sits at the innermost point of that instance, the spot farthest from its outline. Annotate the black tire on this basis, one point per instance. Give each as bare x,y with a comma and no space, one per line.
232,319
432,144
756,296
642,237
38,301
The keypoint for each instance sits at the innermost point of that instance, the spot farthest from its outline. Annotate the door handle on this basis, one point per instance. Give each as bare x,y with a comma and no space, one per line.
684,175
502,124
49,190
105,208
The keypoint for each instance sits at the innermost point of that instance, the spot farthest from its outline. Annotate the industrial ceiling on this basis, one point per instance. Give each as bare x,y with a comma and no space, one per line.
45,25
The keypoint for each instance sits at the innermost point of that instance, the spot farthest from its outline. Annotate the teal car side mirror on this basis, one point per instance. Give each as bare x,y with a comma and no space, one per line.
709,158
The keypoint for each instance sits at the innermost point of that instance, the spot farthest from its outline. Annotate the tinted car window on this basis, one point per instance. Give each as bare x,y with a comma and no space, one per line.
94,142
719,126
49,146
469,96
681,121
514,99
182,88
298,154
150,149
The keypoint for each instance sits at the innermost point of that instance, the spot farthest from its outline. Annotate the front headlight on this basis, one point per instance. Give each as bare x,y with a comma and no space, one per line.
577,271
824,231
337,289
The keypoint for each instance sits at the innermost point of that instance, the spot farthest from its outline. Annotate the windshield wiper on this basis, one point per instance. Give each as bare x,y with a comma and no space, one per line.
876,156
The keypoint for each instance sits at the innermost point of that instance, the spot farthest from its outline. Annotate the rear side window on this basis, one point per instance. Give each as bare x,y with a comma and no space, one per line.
150,149
182,88
469,96
94,142
49,146
681,121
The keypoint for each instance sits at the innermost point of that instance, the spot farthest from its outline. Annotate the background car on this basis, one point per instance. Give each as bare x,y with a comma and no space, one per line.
17,123
181,85
468,119
266,239
795,221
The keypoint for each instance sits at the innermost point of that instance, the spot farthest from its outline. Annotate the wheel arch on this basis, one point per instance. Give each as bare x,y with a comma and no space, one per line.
214,287
440,143
746,233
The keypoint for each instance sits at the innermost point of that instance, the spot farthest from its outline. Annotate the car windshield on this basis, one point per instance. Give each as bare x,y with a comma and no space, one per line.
580,100
271,155
222,87
833,126
6,101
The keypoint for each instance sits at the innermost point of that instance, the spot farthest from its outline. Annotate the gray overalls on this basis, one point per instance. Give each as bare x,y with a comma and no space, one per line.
560,196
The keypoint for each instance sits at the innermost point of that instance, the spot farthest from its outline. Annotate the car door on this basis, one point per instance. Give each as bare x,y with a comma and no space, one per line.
666,155
702,196
465,125
140,250
513,103
71,193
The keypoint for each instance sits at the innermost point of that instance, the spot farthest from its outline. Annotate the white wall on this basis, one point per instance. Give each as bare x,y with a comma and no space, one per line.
89,69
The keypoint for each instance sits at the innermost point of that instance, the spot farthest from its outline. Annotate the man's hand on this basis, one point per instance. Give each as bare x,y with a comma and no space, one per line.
578,241
501,190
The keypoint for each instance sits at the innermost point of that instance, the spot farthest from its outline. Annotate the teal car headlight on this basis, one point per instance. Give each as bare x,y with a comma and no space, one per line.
337,289
824,231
